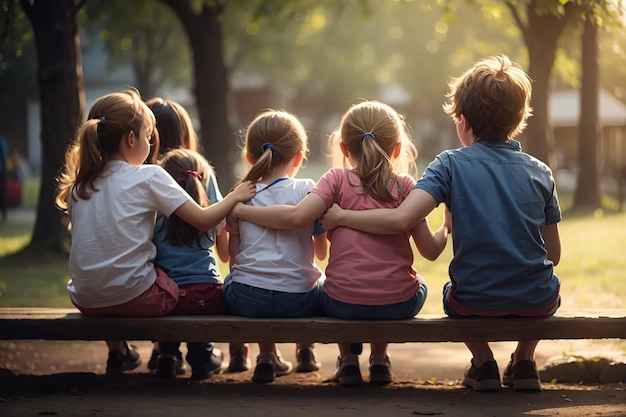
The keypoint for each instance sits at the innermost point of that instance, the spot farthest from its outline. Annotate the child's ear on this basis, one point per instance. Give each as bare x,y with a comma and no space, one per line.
129,138
396,152
249,159
344,151
298,159
464,123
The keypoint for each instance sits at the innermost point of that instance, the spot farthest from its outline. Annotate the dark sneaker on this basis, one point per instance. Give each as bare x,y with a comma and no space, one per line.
118,363
269,366
348,373
307,362
239,362
180,369
483,379
203,369
522,376
165,366
380,371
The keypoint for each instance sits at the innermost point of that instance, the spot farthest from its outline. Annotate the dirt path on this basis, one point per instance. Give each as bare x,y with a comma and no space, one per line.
65,379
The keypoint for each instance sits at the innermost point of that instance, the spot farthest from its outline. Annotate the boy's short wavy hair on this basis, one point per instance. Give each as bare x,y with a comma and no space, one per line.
494,96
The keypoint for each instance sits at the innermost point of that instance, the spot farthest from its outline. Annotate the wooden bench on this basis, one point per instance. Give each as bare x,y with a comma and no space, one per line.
69,324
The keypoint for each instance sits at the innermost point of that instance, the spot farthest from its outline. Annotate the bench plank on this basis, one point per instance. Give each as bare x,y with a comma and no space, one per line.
69,324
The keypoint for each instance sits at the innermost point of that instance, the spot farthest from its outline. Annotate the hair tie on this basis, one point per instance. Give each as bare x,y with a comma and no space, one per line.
101,118
194,173
269,146
368,135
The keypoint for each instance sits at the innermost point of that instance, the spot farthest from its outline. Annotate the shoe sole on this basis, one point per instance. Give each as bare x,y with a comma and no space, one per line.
350,381
307,367
284,372
527,385
488,385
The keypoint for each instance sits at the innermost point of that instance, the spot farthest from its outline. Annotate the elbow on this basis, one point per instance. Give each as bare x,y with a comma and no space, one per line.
296,221
429,255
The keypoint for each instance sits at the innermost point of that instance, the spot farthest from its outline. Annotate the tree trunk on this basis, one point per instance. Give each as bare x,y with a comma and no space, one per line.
61,91
541,32
589,182
539,133
204,31
541,35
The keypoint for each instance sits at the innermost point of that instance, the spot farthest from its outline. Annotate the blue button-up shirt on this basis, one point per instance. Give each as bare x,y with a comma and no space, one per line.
500,199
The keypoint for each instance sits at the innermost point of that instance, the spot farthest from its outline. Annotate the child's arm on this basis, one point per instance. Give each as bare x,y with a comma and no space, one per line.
208,217
221,244
282,216
413,209
429,244
553,242
233,247
320,244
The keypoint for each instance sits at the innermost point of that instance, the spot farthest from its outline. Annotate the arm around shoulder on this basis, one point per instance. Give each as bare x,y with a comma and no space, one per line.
413,209
283,216
206,218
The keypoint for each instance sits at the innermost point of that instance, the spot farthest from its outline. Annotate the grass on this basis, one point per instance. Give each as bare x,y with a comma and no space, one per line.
591,269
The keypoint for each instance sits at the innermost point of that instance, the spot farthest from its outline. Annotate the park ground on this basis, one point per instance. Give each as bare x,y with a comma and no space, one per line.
66,379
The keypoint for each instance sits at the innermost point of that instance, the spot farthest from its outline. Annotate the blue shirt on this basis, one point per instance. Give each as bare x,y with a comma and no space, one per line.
189,264
500,199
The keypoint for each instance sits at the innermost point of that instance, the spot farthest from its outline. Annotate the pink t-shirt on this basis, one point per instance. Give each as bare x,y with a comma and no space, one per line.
365,268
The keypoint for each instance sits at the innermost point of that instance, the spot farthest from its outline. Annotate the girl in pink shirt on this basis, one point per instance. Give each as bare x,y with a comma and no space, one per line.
368,277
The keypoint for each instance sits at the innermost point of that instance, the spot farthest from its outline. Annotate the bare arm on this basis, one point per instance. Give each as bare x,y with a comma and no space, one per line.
320,243
429,244
413,209
205,218
553,242
233,247
221,244
282,216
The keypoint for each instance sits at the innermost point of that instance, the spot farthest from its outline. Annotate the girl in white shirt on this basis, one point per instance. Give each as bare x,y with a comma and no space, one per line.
273,273
112,198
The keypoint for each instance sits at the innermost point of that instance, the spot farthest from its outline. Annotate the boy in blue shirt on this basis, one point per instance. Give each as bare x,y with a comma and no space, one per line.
504,210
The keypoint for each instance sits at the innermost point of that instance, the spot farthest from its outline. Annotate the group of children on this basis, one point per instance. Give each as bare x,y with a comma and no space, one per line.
147,221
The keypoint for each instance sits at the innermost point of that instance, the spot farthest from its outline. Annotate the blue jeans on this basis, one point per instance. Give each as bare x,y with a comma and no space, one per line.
247,301
397,311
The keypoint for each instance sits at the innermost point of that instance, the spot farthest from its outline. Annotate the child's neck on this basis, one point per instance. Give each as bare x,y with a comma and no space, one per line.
275,174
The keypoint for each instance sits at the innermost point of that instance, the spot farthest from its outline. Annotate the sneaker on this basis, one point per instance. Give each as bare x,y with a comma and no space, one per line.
165,366
118,363
380,371
522,376
348,373
307,362
483,379
269,366
203,369
180,368
239,362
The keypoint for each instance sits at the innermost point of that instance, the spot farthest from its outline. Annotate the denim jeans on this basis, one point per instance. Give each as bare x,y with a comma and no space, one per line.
397,311
247,301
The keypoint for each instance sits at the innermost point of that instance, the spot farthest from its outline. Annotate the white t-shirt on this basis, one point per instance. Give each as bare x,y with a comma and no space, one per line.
279,260
112,254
